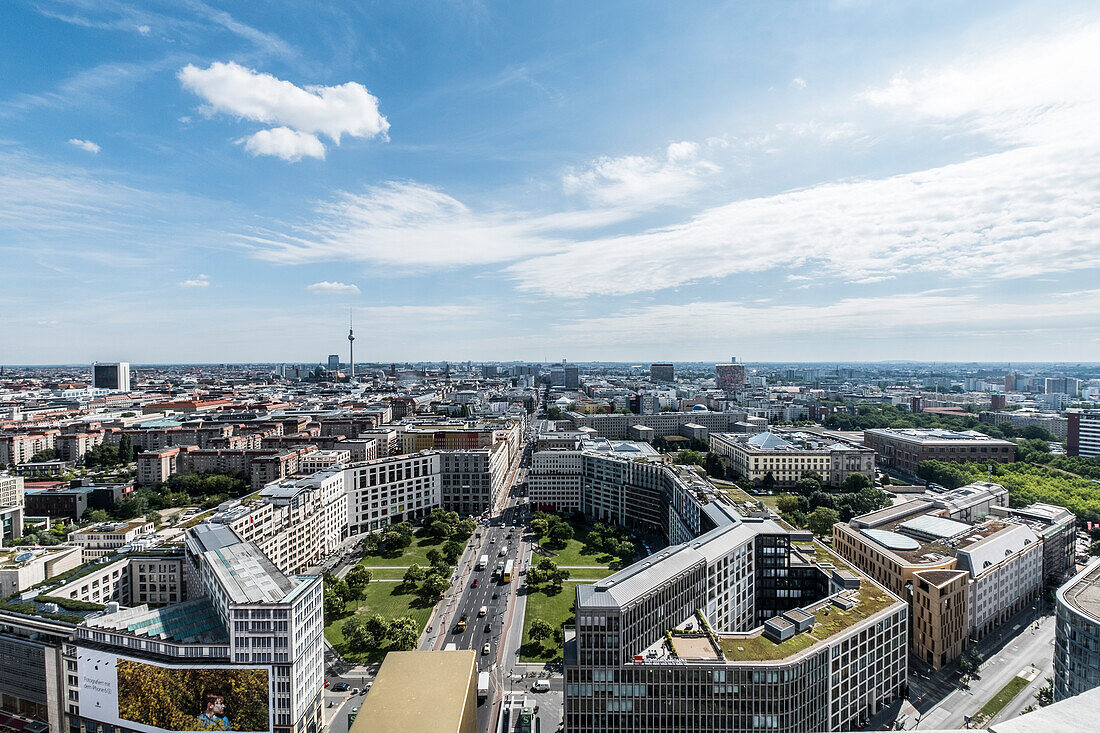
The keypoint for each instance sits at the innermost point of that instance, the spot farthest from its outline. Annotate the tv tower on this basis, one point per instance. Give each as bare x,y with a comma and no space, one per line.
351,348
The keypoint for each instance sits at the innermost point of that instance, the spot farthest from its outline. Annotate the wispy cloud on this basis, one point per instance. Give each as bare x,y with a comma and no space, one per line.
84,145
637,181
300,113
333,288
202,281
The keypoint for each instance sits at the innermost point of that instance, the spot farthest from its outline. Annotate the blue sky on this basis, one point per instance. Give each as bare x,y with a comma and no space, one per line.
191,181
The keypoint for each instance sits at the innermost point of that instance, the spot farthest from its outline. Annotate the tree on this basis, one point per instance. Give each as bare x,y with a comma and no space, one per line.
125,449
561,533
714,466
377,625
787,504
540,630
357,579
96,515
334,606
50,454
855,482
821,520
690,458
404,634
1094,548
466,527
547,565
435,557
821,498
768,482
539,528
435,585
452,550
1045,694
626,550
413,575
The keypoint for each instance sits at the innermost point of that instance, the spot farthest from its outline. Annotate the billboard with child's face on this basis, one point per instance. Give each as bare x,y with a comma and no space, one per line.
154,697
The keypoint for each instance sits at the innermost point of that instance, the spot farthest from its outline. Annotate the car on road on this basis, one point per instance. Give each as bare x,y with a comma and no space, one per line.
326,683
474,585
485,649
503,551
496,596
492,540
541,686
341,687
354,691
489,628
482,611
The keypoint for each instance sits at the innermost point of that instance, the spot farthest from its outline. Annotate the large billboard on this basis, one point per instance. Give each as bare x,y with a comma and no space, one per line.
152,697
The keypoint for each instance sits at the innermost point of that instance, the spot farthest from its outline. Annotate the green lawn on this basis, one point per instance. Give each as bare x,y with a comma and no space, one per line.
383,598
996,703
592,574
415,553
555,610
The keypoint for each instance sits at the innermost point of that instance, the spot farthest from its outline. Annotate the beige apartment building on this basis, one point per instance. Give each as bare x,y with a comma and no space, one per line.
962,580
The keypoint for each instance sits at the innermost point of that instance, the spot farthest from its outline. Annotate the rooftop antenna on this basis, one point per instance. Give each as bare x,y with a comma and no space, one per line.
351,347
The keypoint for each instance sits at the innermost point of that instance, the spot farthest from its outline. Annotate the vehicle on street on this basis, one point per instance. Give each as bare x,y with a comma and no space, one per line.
495,595
482,685
326,683
492,540
354,692
485,649
482,562
541,686
341,687
474,584
503,551
482,611
489,628
461,625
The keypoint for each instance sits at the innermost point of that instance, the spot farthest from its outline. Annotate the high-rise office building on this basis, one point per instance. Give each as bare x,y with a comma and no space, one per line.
114,376
661,372
334,362
731,377
1083,433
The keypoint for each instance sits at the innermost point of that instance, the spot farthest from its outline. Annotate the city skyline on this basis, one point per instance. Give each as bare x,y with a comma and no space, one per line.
877,181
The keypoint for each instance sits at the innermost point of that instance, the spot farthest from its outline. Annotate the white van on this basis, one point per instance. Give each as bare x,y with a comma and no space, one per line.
541,686
482,611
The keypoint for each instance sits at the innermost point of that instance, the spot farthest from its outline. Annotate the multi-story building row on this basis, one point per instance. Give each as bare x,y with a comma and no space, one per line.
662,423
741,628
906,448
786,458
1053,423
962,578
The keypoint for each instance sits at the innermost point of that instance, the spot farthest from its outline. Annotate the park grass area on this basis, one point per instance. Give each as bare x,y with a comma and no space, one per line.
388,599
1003,697
589,574
416,553
396,573
554,609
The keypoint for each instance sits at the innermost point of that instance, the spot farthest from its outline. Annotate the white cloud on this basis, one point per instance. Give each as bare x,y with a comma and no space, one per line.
705,322
405,224
84,145
333,111
979,218
637,181
1039,90
798,82
202,281
282,142
144,30
333,288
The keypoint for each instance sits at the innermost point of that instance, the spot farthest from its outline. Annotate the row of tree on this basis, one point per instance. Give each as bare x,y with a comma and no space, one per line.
547,571
365,634
1026,484
552,527
818,510
889,416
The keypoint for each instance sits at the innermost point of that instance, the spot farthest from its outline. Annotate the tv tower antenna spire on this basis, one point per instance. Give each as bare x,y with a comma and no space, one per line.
351,347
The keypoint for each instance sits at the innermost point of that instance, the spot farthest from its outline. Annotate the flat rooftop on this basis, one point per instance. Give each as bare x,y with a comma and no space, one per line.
931,545
935,436
421,691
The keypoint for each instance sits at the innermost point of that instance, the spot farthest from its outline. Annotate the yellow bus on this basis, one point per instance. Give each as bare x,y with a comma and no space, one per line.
506,576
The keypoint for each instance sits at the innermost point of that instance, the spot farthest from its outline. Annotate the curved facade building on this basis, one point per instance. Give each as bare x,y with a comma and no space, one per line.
1077,634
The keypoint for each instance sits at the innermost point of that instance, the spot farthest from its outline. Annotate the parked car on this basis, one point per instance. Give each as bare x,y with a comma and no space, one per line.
485,649
541,686
326,683
341,687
